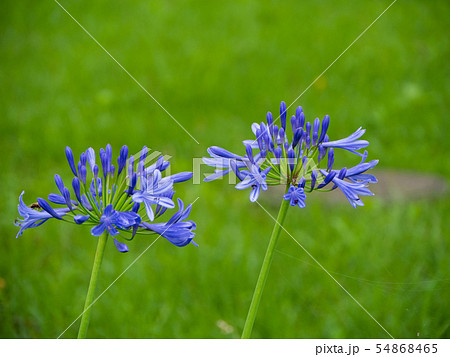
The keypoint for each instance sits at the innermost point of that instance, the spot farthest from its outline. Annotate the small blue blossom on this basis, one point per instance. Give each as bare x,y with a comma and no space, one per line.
349,143
256,179
357,173
176,230
153,191
221,158
33,217
301,159
352,190
111,220
296,196
117,201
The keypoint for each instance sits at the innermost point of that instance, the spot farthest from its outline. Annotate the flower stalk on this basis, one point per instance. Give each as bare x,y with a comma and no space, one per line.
92,284
264,272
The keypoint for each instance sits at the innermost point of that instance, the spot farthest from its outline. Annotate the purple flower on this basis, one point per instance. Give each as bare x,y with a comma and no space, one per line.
294,159
177,231
111,220
356,174
350,143
33,217
256,179
222,158
296,196
154,191
109,202
217,174
352,190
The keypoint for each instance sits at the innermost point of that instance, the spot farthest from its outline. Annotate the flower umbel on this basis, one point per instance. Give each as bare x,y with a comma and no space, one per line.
300,157
110,201
294,156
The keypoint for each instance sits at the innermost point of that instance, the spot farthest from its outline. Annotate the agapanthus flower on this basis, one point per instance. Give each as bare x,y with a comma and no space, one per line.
255,178
175,230
296,196
117,200
299,156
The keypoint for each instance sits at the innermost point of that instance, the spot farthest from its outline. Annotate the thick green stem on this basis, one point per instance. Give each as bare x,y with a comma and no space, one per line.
264,271
91,290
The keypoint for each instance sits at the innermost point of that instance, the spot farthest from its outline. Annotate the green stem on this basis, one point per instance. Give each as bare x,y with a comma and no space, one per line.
91,290
264,272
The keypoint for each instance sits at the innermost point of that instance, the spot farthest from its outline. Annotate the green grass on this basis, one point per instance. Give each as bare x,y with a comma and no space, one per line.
218,67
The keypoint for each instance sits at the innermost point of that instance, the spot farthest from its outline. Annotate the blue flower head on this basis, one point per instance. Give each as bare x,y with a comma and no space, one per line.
119,201
299,156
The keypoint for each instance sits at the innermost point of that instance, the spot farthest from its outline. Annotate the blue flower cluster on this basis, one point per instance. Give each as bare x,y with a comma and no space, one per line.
117,200
295,160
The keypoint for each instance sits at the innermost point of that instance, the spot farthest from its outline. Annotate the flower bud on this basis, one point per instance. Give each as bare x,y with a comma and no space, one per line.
283,115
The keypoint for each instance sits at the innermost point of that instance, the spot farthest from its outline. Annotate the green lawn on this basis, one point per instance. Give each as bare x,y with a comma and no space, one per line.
217,67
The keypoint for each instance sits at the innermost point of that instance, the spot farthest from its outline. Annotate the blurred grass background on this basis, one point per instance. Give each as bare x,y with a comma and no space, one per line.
217,67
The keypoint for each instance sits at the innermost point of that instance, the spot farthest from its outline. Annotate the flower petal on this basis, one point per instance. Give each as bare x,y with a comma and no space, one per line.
149,210
98,230
254,194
